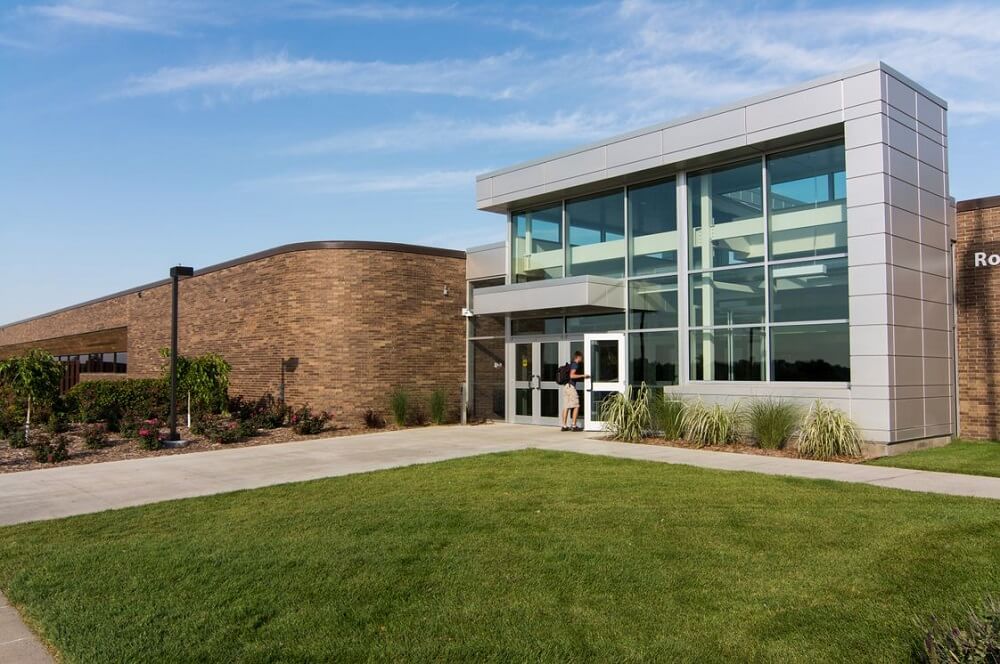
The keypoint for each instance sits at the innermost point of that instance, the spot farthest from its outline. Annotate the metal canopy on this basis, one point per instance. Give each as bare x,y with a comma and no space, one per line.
583,292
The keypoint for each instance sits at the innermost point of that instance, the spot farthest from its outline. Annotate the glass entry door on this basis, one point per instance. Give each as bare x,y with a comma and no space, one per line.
604,360
537,397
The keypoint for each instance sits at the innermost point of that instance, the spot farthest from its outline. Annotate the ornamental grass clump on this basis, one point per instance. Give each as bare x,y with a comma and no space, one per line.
711,425
626,415
666,413
773,422
828,432
974,639
439,406
399,405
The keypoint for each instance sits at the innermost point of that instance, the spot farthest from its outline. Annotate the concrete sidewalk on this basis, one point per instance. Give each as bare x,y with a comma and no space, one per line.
58,492
17,642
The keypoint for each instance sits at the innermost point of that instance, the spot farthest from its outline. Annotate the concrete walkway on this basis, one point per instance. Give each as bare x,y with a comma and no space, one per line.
57,492
17,642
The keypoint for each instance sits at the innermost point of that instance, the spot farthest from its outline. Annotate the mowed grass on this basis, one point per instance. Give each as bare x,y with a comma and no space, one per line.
527,556
971,457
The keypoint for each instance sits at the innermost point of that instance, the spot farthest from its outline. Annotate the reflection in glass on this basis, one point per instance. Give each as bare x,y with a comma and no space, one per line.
487,372
727,297
550,403
653,302
537,244
121,363
595,323
653,357
811,352
652,210
725,212
522,326
597,235
812,290
550,361
807,201
522,362
596,400
522,401
727,354
604,360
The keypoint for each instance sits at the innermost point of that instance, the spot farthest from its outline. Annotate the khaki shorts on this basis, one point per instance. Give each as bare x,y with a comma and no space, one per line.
570,397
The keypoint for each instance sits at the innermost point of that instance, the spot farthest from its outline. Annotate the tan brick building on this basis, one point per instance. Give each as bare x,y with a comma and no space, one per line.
349,320
978,301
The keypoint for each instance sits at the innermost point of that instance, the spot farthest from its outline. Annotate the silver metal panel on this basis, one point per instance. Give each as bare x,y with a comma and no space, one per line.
870,371
907,370
482,263
575,165
869,310
933,260
903,166
794,107
901,96
867,160
796,127
869,340
930,152
907,341
936,315
552,294
906,281
902,137
903,223
868,249
931,179
866,219
934,288
933,207
908,413
518,180
867,279
864,131
903,195
906,311
484,189
704,130
904,252
634,149
930,114
867,189
864,88
936,343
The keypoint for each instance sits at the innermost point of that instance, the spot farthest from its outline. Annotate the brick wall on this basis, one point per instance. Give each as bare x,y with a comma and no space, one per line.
978,299
359,321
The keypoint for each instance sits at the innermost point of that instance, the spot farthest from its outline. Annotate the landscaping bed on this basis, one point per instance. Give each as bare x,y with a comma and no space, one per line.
119,448
526,556
740,447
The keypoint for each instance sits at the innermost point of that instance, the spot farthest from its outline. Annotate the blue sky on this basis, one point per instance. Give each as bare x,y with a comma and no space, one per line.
136,134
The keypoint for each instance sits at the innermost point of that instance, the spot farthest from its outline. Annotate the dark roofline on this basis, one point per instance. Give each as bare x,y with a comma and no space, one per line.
978,203
267,253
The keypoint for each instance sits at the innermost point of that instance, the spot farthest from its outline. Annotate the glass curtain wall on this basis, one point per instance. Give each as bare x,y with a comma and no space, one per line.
765,277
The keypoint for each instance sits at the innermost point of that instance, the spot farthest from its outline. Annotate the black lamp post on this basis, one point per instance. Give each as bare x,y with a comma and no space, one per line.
176,274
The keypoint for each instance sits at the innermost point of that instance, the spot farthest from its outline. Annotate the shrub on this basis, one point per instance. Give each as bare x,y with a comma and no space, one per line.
112,400
305,422
626,416
374,419
56,423
148,434
17,439
711,425
772,422
269,413
666,414
51,450
975,639
399,404
204,377
221,429
439,406
94,436
33,377
828,432
11,414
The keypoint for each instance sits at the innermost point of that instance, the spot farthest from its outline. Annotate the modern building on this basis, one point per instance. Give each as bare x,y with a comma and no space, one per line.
335,325
800,245
793,245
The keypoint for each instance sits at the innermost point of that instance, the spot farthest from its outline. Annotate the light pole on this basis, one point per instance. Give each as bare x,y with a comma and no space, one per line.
177,273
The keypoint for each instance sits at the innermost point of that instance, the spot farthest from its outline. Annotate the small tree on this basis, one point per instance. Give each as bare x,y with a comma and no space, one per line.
205,379
34,377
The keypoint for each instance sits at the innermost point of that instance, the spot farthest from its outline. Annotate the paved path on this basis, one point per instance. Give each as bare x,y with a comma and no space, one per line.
57,492
17,643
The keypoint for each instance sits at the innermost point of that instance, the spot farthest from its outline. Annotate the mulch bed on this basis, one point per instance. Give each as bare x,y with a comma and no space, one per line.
743,448
118,448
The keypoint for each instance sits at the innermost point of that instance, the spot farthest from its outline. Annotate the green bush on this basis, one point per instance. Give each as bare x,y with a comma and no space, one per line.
11,414
439,406
828,432
111,401
666,413
399,404
305,422
95,436
56,422
626,416
16,439
772,422
51,450
712,425
975,639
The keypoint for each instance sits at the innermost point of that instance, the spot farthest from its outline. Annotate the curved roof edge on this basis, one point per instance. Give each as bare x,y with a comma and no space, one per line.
260,255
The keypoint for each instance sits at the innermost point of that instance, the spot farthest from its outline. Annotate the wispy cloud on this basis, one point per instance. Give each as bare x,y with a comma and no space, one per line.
151,16
263,77
435,132
372,11
93,17
352,182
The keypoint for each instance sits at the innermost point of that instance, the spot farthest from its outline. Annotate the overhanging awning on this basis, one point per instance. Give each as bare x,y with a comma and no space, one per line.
583,292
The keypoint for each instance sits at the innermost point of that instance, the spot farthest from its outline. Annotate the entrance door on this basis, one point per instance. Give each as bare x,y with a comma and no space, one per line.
537,396
605,357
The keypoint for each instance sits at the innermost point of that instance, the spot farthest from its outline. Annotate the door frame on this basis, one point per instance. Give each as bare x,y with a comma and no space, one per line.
590,421
535,382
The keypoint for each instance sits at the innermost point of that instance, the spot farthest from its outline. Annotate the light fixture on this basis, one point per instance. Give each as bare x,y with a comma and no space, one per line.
177,273
467,312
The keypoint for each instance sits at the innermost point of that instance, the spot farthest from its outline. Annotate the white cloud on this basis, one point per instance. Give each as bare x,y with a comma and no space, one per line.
352,182
435,133
373,11
265,77
152,16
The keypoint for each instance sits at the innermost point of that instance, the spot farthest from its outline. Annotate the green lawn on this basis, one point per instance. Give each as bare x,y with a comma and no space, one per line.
971,457
526,556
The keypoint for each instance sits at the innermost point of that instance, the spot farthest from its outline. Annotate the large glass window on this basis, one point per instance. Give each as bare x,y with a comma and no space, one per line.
727,297
652,218
725,216
807,201
653,302
810,290
595,323
537,245
727,354
597,235
522,326
811,352
653,358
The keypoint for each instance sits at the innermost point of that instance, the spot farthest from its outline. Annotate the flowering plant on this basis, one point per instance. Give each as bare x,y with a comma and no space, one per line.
149,434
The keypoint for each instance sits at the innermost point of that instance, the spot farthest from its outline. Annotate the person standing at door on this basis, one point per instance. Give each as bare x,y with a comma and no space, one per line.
571,400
